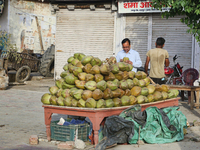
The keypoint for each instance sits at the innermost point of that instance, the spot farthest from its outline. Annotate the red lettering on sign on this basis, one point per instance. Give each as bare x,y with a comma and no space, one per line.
130,5
125,5
142,5
150,4
136,5
146,4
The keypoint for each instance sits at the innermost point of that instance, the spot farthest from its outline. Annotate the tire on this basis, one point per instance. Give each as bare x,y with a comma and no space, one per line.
23,74
46,67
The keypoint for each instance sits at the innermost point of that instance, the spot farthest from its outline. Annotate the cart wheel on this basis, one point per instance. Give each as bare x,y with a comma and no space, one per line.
23,74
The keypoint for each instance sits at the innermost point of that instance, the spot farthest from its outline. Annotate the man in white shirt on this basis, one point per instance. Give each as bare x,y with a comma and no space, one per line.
134,57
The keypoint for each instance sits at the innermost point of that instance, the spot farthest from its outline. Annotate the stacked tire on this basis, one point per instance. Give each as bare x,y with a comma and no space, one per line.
47,62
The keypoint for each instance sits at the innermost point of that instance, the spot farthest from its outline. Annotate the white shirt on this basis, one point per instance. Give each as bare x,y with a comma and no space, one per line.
133,56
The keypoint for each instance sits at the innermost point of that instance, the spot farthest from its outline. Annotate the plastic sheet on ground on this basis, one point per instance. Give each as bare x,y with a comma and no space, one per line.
156,126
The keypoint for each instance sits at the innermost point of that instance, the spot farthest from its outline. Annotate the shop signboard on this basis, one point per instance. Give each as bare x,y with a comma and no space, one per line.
137,7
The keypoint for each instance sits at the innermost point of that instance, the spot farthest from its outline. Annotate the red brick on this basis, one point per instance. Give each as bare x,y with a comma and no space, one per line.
33,140
66,145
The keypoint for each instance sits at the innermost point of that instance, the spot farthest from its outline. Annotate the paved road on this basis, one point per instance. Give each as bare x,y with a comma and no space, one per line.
21,115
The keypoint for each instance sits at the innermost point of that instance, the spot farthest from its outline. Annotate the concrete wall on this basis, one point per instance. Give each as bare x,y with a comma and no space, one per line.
23,26
4,18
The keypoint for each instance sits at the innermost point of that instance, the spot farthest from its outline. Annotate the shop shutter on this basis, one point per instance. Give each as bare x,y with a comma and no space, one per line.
137,31
83,31
177,40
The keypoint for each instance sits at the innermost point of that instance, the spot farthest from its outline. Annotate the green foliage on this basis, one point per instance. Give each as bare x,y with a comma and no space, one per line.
190,9
11,49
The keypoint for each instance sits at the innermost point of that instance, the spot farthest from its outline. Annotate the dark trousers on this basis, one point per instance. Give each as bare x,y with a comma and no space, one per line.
158,80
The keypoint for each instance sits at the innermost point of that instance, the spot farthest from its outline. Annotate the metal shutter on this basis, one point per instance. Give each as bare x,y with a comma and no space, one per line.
85,31
177,40
137,31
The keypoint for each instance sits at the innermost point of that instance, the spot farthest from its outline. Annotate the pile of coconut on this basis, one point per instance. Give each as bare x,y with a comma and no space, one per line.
89,82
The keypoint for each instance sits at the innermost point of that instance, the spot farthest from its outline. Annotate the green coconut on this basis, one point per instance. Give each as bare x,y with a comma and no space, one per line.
123,66
135,82
77,94
70,59
80,84
97,94
150,97
98,78
95,70
110,77
60,101
81,103
90,103
74,62
116,93
104,69
133,100
58,93
130,67
64,73
117,102
53,100
89,77
82,75
119,75
136,90
76,55
125,100
65,67
109,103
114,68
91,85
68,101
131,74
107,94
125,75
59,83
53,90
85,60
65,93
142,83
71,67
140,99
86,94
123,84
157,95
144,91
101,103
151,88
147,81
81,56
127,92
164,95
130,83
77,70
74,102
87,68
138,75
67,86
80,65
102,85
96,61
116,81
70,79
111,85
72,90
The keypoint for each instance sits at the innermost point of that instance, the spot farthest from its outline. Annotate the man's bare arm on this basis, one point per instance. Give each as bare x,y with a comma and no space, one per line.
146,64
166,62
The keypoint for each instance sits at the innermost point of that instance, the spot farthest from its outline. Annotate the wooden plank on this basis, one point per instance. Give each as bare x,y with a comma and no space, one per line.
40,35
